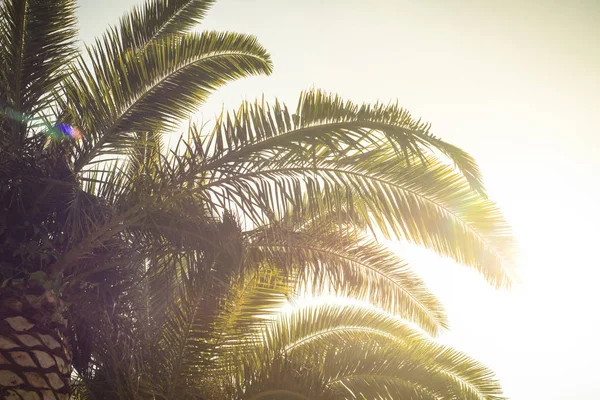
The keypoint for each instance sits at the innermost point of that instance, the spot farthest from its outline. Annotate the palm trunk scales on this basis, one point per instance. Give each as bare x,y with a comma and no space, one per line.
35,361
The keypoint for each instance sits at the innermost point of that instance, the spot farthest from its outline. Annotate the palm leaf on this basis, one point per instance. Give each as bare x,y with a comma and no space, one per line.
247,309
37,42
250,304
354,266
326,119
157,19
283,380
304,326
368,370
430,205
151,90
360,353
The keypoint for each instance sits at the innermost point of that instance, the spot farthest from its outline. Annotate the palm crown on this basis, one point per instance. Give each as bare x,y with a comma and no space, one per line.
123,248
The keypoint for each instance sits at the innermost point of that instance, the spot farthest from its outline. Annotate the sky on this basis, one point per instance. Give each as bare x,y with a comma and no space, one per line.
516,84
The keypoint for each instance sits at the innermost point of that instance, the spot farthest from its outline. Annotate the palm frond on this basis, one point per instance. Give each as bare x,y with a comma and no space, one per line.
362,370
246,310
361,353
353,266
37,42
326,119
431,205
251,303
151,90
282,379
183,341
156,19
319,323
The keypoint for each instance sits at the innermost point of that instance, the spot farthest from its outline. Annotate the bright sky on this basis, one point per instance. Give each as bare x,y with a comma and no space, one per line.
513,82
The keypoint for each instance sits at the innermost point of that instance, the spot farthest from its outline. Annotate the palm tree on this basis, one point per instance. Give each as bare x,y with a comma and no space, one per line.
63,227
94,203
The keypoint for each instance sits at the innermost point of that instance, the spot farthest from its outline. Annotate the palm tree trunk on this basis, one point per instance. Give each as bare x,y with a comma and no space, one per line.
35,360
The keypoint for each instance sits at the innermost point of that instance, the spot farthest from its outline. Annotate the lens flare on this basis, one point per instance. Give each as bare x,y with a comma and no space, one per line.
74,133
58,131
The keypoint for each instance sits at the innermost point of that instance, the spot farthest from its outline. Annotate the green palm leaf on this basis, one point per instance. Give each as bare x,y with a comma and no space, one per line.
283,380
360,353
37,42
157,19
151,90
430,205
326,119
354,266
250,303
362,370
320,323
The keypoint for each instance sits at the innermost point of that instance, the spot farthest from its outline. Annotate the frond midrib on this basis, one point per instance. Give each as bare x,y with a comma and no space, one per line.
166,23
325,332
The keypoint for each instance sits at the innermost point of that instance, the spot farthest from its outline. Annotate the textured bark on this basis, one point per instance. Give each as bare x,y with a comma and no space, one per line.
35,360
